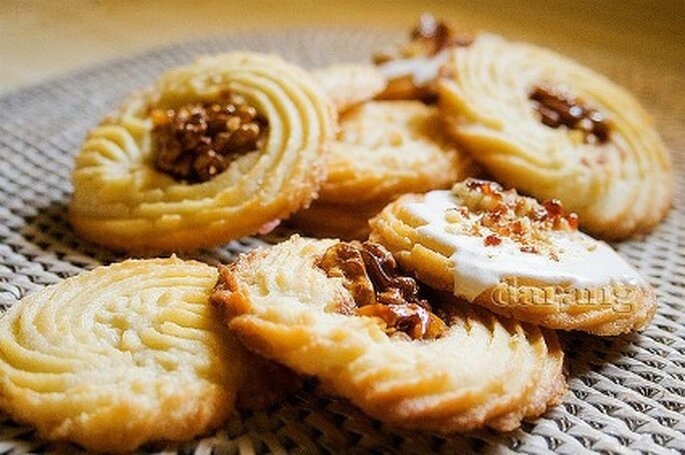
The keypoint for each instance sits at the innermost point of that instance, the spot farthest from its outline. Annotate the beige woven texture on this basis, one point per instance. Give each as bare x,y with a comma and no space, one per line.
626,394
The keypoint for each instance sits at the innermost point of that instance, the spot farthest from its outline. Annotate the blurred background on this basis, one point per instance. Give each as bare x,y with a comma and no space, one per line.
40,39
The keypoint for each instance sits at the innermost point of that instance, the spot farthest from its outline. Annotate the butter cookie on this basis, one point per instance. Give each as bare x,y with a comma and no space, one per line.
332,220
343,313
515,256
219,149
552,128
127,354
383,149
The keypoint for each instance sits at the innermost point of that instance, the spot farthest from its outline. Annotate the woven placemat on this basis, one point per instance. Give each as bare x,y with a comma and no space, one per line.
626,394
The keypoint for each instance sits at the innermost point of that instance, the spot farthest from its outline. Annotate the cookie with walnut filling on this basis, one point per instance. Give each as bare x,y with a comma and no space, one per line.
553,128
515,256
219,149
344,313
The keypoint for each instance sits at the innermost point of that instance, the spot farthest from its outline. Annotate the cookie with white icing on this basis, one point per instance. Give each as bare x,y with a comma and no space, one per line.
515,256
552,128
413,69
343,313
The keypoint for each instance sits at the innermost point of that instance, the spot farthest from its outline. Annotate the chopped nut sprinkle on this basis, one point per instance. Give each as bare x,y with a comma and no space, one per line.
557,109
487,210
198,141
371,275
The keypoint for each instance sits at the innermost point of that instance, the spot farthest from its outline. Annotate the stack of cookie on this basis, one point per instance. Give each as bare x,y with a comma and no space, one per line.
383,148
439,316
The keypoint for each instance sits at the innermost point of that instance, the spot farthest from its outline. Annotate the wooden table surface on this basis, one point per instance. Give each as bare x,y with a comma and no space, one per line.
41,39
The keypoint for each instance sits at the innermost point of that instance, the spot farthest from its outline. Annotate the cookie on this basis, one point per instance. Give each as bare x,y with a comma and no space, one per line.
413,69
342,313
219,149
515,256
553,128
343,221
351,84
124,355
384,149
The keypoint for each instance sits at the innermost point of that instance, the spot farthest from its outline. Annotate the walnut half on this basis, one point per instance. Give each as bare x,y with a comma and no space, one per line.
371,275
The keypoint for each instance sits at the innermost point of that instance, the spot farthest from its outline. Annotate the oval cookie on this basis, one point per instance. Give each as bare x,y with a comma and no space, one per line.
515,256
343,221
214,151
124,355
383,149
552,128
340,312
387,148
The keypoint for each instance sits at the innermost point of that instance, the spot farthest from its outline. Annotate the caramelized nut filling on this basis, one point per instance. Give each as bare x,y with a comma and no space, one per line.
557,109
427,39
487,210
198,141
371,275
438,35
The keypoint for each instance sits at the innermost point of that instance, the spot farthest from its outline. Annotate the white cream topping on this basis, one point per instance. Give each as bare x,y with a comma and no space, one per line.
422,69
584,263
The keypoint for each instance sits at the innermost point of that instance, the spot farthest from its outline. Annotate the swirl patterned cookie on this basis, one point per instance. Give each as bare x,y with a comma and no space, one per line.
515,256
550,127
383,149
127,354
216,150
342,313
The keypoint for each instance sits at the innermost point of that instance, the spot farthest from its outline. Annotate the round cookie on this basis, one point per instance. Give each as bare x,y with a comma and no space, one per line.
339,311
515,256
387,148
124,355
214,151
383,149
350,84
552,128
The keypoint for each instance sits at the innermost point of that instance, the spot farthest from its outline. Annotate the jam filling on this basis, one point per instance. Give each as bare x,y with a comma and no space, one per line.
558,109
371,275
487,210
198,141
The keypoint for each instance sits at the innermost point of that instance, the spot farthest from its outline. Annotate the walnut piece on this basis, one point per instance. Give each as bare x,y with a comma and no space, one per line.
557,108
371,275
427,39
198,141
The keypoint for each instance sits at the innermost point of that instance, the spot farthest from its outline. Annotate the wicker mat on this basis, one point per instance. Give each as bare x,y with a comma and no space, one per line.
626,394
